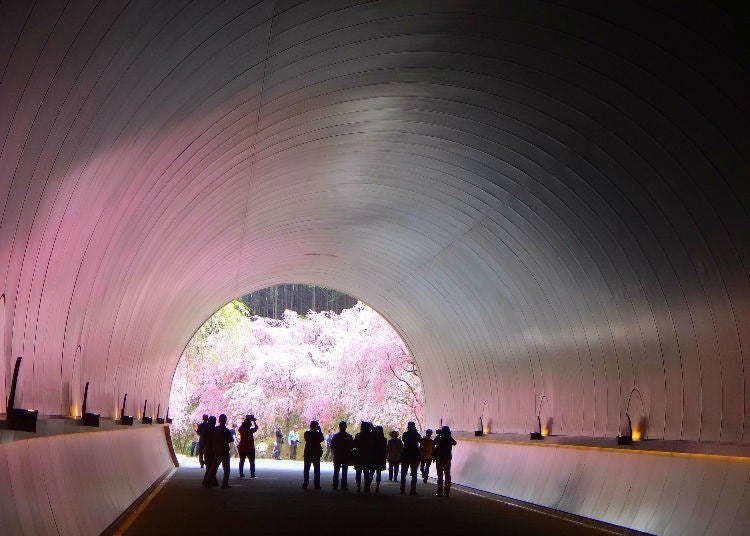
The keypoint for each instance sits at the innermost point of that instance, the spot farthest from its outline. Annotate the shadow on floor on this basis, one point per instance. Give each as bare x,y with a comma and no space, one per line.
275,503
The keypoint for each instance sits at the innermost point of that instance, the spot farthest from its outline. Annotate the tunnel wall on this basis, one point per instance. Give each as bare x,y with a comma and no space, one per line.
77,484
544,200
656,492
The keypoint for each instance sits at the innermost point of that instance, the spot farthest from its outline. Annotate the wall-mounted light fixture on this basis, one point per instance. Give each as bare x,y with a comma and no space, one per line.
144,419
159,420
626,439
125,420
631,435
88,419
480,432
22,420
538,436
167,419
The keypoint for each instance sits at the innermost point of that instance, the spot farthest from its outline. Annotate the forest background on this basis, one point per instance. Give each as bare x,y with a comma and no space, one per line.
342,363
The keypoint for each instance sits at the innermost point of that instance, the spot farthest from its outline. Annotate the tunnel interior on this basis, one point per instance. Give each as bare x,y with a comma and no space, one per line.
548,201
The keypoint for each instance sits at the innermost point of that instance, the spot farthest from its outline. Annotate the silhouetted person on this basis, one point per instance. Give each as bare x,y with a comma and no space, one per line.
233,445
341,446
329,437
380,452
194,442
395,448
313,451
293,442
246,446
364,445
221,437
279,441
410,457
208,452
443,454
202,430
425,454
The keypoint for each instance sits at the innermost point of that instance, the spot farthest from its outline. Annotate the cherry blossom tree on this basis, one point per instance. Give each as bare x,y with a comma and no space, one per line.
325,366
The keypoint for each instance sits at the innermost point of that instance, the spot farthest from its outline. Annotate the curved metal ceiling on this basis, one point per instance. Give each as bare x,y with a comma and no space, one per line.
543,198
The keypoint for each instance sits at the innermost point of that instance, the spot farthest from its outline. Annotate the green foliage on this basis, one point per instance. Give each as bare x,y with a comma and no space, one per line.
226,318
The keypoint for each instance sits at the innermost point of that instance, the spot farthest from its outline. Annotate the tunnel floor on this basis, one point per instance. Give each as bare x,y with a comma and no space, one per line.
275,502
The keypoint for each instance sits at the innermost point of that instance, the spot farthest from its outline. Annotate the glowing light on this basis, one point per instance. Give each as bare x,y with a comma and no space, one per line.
642,452
545,432
637,434
486,430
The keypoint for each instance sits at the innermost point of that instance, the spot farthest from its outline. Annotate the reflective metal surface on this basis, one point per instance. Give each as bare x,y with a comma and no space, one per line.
544,199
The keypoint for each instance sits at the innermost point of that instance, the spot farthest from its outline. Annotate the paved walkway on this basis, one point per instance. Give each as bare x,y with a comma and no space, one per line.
275,503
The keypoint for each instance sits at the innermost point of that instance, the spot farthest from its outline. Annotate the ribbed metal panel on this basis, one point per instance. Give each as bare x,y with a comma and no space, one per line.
542,198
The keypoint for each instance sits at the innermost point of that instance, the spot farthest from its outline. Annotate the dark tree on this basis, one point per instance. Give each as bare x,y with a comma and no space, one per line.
272,301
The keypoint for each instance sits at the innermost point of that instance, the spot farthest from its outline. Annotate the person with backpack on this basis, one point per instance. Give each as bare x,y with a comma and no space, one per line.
443,454
425,455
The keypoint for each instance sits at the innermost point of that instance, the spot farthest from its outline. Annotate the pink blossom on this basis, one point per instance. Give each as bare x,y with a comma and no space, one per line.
328,367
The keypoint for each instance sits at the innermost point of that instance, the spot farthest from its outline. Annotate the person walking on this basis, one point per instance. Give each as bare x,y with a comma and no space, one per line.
395,448
410,457
202,430
443,454
329,437
313,451
364,460
221,437
233,445
293,440
246,446
341,445
425,455
208,452
279,440
380,451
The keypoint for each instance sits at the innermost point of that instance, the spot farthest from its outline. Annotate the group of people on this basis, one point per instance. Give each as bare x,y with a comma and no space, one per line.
368,452
213,447
292,440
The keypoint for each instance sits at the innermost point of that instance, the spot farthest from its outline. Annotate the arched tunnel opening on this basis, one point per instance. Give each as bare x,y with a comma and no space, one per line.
287,355
548,202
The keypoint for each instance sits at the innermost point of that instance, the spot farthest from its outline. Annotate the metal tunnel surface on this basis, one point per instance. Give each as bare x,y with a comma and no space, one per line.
548,201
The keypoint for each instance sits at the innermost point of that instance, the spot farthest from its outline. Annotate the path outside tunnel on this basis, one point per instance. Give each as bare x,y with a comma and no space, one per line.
274,503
